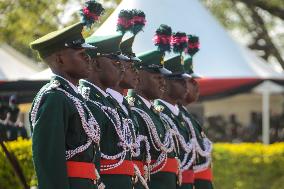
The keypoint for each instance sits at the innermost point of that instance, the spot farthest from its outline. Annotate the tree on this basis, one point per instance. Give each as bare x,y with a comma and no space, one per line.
274,7
258,21
23,21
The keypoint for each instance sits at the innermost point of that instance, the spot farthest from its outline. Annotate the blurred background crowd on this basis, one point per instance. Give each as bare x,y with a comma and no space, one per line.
231,129
219,127
11,126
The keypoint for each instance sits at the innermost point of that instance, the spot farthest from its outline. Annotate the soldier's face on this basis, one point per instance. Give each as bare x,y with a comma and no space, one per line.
192,91
130,76
75,62
111,71
151,84
176,88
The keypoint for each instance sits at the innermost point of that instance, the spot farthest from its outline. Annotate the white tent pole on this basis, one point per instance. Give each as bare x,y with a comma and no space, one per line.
265,117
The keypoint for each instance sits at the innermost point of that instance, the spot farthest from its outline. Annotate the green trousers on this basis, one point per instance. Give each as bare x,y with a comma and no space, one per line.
76,183
117,181
138,185
163,180
185,186
203,184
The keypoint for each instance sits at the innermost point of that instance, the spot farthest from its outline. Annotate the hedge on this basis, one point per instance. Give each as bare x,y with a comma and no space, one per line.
236,166
248,165
22,150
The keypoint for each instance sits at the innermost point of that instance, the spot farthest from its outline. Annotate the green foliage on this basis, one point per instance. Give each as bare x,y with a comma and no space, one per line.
221,10
22,151
23,21
254,166
236,166
228,11
258,23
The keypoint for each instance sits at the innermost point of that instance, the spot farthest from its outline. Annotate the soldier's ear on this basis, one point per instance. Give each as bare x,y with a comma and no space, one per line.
58,59
97,64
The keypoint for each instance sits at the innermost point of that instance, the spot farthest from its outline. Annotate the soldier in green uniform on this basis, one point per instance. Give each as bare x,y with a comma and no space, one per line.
142,158
65,133
116,167
176,87
164,166
129,81
203,146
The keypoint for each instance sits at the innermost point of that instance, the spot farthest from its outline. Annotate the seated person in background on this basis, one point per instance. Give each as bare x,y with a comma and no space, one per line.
3,109
13,110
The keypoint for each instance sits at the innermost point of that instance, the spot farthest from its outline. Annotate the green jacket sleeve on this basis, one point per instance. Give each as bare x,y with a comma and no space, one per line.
48,142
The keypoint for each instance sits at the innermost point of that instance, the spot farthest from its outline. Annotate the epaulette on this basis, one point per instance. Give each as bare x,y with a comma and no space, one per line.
130,100
85,92
54,84
159,108
203,134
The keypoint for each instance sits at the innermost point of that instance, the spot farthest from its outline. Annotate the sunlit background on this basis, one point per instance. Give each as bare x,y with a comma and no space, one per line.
241,62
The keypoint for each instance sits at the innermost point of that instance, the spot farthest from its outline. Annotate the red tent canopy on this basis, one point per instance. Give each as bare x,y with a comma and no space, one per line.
213,88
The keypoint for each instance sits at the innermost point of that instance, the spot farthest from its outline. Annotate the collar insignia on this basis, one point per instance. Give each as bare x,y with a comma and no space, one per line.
55,84
159,108
85,91
131,100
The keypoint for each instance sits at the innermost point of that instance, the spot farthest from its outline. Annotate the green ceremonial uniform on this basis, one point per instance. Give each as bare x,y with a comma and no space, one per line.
109,137
137,131
57,129
165,180
174,65
198,183
65,133
109,144
182,129
59,138
126,49
106,46
151,62
134,131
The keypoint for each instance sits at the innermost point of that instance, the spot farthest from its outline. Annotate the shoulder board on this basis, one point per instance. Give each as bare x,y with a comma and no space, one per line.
85,92
203,134
159,108
54,84
130,100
